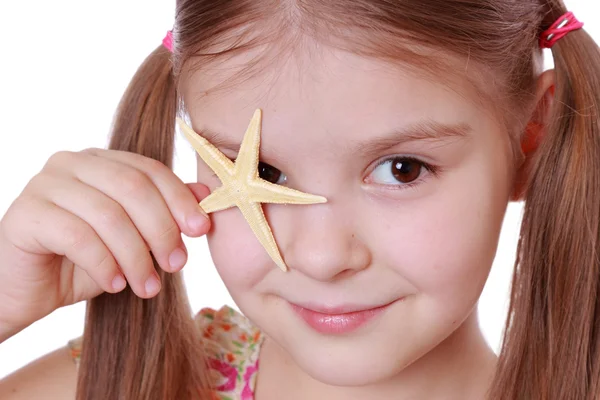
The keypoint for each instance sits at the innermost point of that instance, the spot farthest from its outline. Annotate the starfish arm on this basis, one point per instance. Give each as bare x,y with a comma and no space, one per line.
262,191
217,161
246,163
219,199
255,216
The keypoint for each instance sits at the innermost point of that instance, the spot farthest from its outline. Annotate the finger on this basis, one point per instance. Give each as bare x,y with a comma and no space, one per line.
116,229
192,220
199,190
52,229
141,200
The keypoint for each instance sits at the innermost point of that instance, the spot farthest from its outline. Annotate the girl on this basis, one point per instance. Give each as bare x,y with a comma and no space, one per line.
418,121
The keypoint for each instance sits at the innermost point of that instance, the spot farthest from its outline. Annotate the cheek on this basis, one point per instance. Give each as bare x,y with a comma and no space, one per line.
236,253
238,256
445,244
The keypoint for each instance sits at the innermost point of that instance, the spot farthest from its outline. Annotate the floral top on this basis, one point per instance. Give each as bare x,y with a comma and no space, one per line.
232,344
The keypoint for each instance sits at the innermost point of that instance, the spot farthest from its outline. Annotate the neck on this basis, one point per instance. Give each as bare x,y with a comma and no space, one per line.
461,367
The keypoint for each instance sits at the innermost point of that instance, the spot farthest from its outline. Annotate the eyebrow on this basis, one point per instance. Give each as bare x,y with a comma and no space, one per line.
424,130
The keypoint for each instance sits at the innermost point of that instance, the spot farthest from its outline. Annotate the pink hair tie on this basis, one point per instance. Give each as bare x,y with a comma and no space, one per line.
168,41
565,24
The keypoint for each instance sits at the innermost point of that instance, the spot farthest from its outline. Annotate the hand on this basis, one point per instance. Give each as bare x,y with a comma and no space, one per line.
86,224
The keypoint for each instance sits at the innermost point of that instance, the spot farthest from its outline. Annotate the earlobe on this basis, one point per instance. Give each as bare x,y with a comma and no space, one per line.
532,137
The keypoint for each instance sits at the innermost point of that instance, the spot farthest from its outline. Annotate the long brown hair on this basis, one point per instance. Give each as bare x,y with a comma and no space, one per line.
149,349
134,348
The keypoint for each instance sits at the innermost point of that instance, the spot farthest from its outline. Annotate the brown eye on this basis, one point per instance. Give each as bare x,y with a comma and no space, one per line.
270,174
397,170
405,171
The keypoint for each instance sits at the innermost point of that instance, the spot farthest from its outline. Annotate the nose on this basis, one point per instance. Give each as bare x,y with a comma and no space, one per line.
323,245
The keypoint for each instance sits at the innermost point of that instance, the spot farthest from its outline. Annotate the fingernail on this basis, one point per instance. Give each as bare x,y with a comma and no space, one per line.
177,259
197,221
118,283
152,285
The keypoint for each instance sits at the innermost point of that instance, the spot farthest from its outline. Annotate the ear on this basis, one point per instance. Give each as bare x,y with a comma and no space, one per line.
534,131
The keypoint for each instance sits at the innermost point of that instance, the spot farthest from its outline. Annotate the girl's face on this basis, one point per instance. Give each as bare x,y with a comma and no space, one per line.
417,177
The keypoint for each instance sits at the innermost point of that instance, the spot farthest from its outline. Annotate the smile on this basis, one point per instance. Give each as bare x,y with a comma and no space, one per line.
339,320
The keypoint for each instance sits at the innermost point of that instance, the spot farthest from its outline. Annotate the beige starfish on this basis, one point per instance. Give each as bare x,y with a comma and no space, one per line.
242,186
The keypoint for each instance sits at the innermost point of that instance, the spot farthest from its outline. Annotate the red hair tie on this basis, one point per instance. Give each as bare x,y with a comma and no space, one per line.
565,24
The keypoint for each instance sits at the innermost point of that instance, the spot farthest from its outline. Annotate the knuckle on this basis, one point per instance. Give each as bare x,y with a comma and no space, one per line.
91,150
155,167
36,182
23,208
7,222
23,203
170,233
133,182
60,158
107,263
76,236
112,215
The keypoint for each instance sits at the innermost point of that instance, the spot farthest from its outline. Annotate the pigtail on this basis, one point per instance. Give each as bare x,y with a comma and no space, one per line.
134,348
551,348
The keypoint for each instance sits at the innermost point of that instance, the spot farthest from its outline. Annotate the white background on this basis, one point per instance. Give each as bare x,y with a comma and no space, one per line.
63,67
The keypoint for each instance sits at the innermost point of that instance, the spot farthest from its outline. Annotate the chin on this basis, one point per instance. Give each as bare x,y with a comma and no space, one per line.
349,367
356,360
367,355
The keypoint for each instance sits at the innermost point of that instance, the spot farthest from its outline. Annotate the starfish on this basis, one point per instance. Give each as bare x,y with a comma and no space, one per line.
242,187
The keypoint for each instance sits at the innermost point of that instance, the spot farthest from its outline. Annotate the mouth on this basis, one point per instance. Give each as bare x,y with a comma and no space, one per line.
338,320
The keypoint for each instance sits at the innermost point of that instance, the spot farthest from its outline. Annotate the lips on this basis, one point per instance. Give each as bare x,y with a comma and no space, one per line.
338,320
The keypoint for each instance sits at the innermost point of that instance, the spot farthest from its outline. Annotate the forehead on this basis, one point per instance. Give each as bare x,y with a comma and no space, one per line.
333,89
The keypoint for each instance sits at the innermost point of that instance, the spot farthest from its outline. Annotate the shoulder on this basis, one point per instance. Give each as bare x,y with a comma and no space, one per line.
53,376
232,344
231,341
